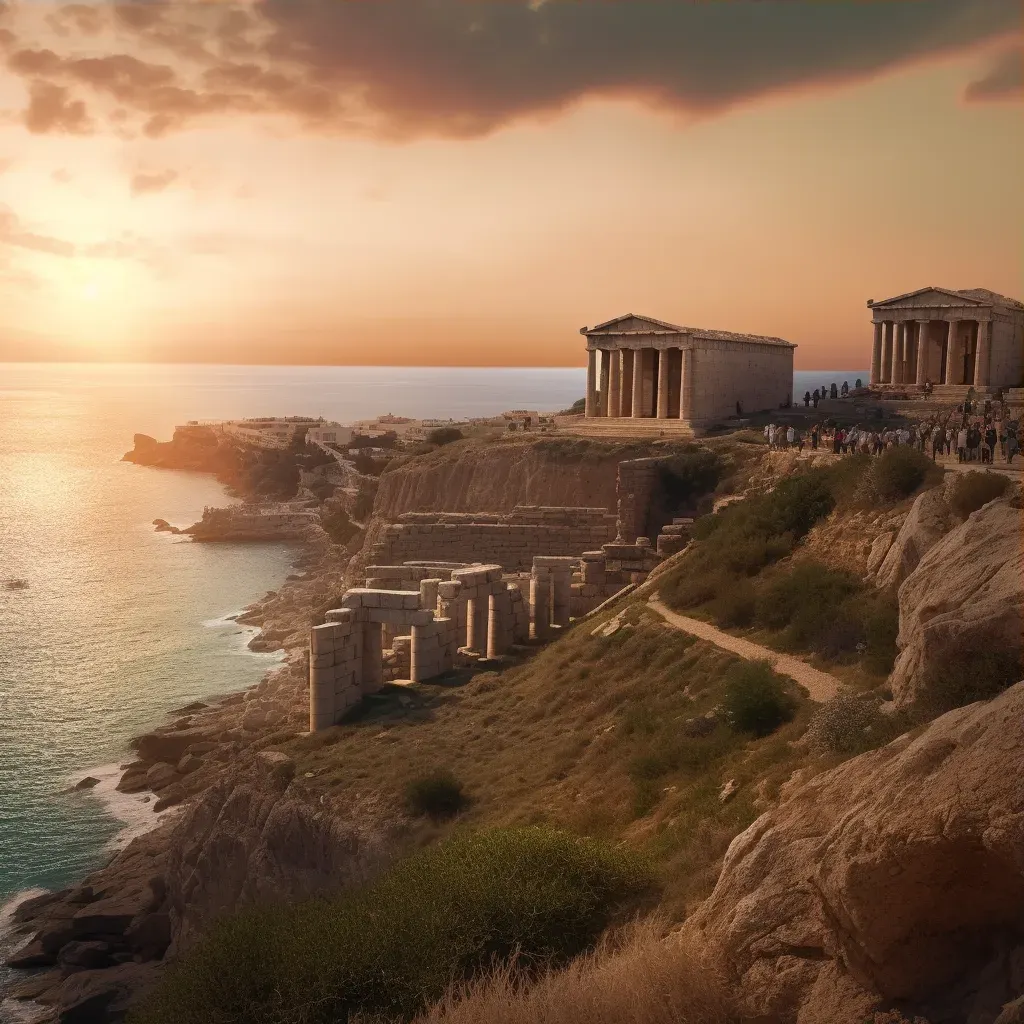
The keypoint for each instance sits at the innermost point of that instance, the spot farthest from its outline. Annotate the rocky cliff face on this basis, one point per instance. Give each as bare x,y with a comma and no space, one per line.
894,880
967,590
470,477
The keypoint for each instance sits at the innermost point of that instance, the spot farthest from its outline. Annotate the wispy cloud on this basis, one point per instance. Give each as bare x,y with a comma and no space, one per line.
1004,79
147,182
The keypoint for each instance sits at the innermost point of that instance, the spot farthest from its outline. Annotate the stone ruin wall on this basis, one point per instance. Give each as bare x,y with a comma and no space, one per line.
510,540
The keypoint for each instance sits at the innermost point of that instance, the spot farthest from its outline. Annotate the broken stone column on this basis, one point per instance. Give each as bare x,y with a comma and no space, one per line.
561,584
428,593
540,604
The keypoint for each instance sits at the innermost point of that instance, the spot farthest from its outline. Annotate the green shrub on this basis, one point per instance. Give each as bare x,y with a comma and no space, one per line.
976,667
438,795
807,599
755,699
974,489
444,435
734,605
798,502
847,725
895,475
881,617
531,895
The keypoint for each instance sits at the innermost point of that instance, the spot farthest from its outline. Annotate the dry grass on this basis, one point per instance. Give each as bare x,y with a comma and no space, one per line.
589,734
643,979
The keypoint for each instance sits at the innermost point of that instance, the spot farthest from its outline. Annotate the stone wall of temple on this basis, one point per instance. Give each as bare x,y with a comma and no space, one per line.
510,540
759,377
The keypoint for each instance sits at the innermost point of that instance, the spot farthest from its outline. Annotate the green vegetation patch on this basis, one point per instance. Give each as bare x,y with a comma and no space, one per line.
338,526
437,795
756,700
536,896
974,489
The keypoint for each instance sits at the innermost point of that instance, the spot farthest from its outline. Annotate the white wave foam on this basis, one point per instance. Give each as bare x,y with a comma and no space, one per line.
133,810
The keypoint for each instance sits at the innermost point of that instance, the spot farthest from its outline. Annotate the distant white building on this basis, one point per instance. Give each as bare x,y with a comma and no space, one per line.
329,433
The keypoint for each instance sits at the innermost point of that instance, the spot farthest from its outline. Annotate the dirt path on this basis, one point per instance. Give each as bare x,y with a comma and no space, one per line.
820,685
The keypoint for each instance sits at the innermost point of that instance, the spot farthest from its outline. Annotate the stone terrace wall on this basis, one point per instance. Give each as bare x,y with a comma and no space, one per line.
510,540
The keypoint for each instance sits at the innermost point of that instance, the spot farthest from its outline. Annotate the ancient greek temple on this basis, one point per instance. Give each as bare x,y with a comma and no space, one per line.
946,337
640,368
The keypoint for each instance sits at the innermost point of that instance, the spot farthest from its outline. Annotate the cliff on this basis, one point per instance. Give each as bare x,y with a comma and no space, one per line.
469,476
894,880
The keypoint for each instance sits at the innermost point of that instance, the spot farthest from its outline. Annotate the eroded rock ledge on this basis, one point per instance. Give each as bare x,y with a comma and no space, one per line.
896,879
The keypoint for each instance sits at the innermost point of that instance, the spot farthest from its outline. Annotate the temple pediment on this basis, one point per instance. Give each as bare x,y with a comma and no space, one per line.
633,324
929,297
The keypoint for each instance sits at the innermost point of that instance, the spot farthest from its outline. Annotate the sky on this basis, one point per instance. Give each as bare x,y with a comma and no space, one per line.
464,182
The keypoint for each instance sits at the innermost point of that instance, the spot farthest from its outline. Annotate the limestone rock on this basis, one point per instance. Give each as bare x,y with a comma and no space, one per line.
89,955
930,518
969,585
879,549
167,746
898,875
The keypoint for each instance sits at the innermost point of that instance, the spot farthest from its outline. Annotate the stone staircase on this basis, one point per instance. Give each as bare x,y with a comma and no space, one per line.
623,427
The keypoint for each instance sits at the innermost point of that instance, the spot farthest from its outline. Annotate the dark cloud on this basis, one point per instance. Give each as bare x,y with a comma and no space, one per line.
51,109
148,182
1004,80
457,69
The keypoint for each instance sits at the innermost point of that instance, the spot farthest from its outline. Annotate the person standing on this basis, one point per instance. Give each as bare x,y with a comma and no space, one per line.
938,440
949,440
961,445
815,431
990,443
790,436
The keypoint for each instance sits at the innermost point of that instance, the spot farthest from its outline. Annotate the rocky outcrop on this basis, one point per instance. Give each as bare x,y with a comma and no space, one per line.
967,589
470,477
247,838
930,518
894,880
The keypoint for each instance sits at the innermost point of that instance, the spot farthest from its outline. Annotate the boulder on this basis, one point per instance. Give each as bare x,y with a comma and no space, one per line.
929,519
87,997
87,783
167,746
150,935
968,586
897,876
32,954
189,763
90,955
160,775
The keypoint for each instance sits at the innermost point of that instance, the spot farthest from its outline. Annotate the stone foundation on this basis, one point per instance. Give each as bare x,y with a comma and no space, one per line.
509,540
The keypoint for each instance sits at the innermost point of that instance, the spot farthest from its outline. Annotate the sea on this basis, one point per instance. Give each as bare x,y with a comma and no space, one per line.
105,625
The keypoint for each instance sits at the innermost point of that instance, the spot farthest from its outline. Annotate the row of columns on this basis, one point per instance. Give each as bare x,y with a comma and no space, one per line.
615,385
900,355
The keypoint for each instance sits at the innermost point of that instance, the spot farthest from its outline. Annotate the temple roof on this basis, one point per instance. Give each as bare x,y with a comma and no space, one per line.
633,324
973,296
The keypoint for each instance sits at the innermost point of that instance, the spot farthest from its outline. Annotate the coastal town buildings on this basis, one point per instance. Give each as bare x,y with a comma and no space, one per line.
639,368
972,337
329,433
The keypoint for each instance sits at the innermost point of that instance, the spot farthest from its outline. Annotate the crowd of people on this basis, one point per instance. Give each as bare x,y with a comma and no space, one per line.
974,432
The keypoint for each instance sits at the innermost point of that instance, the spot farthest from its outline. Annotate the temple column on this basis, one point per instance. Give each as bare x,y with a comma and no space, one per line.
888,335
663,383
686,386
603,402
625,382
614,382
591,404
899,340
638,383
952,347
923,328
983,354
876,356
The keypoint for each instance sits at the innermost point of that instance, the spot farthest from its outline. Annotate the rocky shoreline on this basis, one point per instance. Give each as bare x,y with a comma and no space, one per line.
96,946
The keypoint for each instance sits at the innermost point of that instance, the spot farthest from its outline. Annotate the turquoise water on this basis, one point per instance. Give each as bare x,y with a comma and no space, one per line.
117,624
